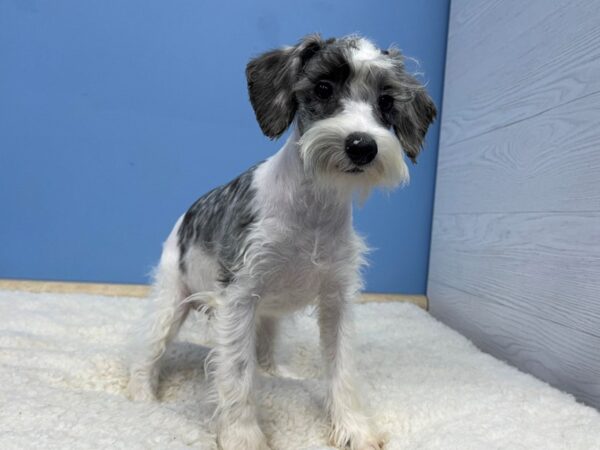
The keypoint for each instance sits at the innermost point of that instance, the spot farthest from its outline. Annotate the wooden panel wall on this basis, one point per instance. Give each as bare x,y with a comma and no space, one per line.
515,254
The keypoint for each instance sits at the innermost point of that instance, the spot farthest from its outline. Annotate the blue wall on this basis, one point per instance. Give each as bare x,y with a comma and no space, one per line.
115,116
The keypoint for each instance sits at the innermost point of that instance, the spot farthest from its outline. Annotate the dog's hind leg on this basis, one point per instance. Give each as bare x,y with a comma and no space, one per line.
168,312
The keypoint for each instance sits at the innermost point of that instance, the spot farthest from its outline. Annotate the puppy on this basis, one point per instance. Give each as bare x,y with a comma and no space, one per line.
279,237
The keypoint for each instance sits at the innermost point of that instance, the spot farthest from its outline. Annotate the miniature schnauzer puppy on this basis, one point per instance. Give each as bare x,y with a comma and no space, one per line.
279,237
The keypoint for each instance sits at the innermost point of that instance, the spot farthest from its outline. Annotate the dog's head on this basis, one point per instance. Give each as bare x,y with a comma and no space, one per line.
356,108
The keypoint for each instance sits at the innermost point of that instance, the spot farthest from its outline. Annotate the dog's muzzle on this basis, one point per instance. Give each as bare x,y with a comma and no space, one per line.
361,148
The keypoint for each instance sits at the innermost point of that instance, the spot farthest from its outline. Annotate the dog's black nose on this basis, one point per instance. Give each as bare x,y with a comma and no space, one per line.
361,148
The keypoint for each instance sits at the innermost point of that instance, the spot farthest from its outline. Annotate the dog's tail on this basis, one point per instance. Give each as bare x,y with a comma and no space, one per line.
204,302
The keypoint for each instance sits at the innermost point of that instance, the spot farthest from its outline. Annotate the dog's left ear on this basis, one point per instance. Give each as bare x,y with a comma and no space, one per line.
271,78
414,119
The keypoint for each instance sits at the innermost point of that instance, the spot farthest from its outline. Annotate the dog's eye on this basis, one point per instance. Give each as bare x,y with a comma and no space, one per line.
323,90
386,103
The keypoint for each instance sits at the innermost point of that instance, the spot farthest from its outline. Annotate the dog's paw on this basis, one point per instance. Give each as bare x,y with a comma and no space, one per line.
141,389
237,437
280,371
356,437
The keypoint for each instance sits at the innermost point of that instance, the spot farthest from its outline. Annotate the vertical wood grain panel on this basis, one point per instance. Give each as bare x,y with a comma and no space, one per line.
515,251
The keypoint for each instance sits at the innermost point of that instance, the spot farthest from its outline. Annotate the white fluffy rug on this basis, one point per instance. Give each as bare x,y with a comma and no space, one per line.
63,375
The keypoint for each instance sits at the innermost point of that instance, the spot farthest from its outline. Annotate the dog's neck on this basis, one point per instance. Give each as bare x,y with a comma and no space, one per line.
286,188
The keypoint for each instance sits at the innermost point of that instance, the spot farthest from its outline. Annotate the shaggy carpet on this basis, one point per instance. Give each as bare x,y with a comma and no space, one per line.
63,376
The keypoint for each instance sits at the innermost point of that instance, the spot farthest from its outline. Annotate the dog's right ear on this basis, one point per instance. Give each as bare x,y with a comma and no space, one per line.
271,78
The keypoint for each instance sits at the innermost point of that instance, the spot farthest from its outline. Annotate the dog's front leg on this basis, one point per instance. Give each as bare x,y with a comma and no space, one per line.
350,426
234,369
265,341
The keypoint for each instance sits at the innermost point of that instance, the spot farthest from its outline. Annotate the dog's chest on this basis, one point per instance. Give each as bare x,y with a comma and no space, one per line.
301,260
304,237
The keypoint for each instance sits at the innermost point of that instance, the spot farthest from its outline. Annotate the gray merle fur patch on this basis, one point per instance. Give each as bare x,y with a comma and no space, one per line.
219,221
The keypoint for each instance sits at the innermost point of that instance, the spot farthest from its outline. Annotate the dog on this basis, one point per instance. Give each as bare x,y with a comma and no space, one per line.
280,237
